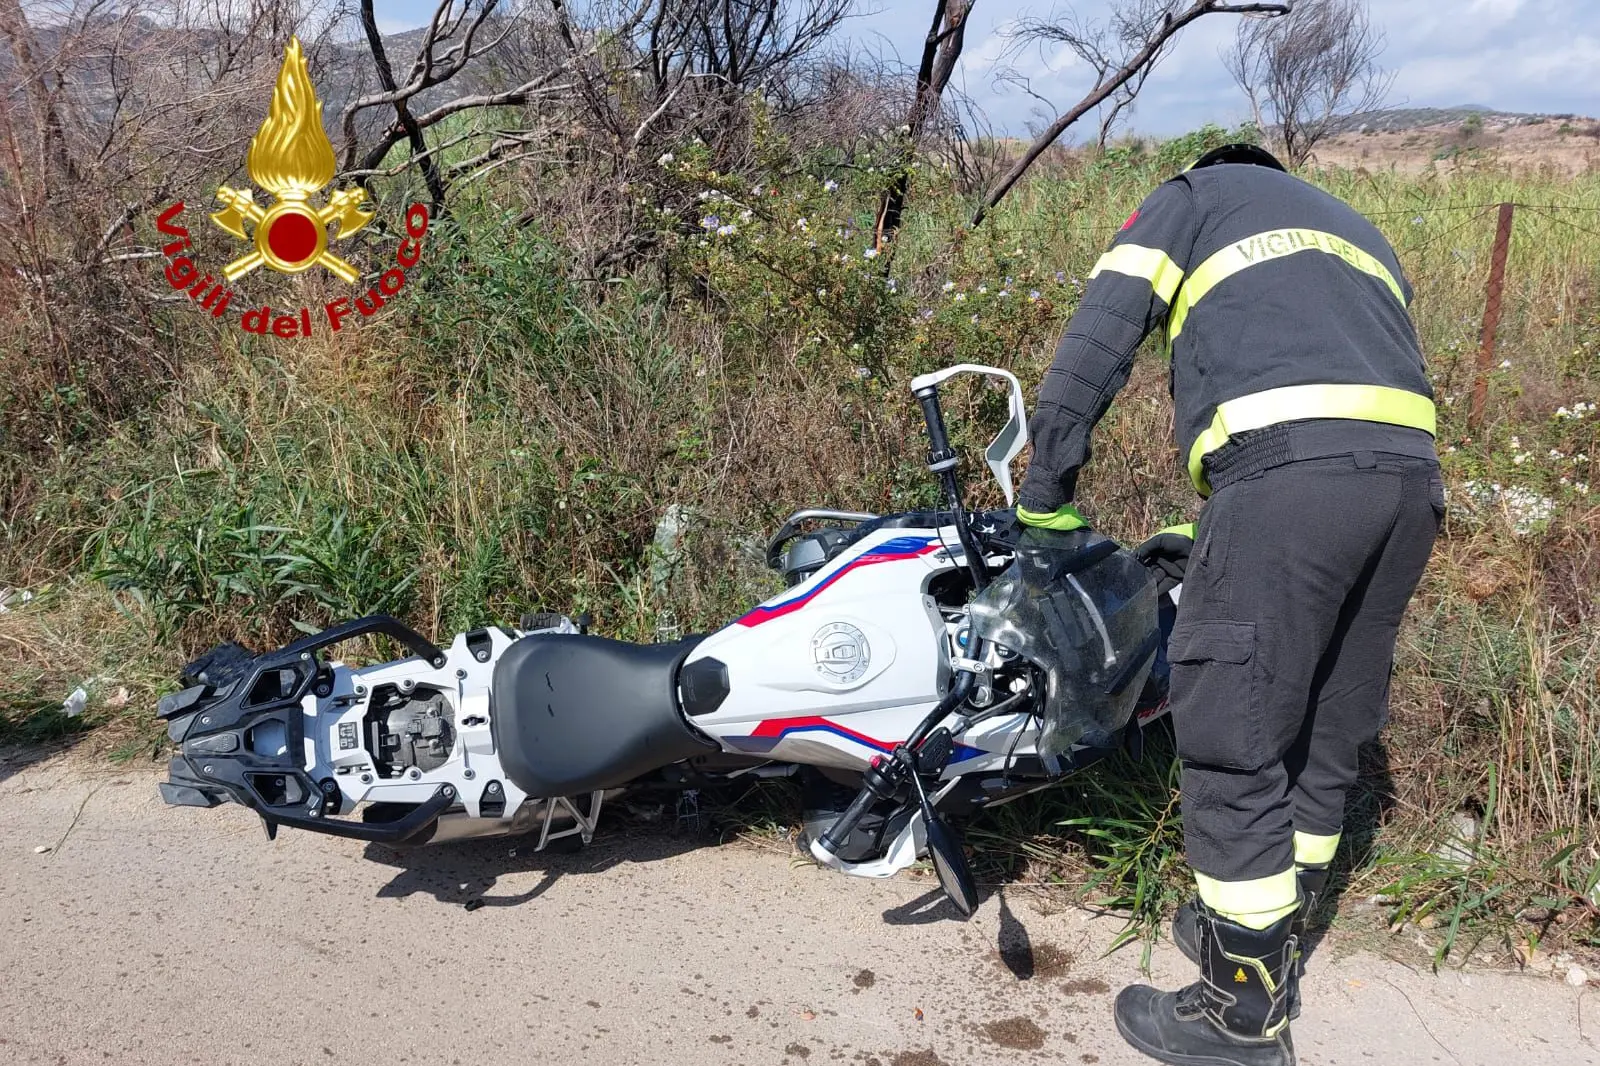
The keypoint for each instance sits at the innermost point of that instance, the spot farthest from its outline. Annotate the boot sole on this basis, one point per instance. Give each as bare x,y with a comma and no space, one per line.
1175,1059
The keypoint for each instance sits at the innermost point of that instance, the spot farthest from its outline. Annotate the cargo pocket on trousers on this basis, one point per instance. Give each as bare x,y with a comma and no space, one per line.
1216,710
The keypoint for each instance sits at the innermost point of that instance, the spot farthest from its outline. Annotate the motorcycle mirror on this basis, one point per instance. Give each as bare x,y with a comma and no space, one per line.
950,866
1013,436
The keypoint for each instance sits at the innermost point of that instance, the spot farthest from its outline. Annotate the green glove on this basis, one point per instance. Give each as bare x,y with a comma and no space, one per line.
1064,520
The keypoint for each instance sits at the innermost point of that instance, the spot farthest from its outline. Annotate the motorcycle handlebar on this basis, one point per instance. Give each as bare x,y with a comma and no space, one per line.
938,441
885,776
840,830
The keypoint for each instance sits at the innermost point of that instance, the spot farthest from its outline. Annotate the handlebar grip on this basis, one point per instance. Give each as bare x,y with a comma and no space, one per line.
938,442
840,831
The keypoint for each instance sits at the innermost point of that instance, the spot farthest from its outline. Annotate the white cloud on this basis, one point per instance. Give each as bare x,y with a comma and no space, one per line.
1523,55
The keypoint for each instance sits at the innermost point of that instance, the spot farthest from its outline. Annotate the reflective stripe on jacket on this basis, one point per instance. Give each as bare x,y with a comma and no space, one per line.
1279,303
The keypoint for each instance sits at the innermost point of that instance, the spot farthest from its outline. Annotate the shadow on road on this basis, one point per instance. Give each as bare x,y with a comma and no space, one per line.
926,909
17,757
1015,945
467,873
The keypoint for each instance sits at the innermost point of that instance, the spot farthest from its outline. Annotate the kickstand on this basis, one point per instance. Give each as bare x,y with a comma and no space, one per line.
689,811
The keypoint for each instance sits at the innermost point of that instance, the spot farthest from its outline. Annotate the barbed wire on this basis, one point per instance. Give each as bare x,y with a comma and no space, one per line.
1432,239
1560,221
997,230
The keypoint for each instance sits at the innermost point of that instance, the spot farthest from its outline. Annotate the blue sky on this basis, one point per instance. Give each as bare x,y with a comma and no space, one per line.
1516,55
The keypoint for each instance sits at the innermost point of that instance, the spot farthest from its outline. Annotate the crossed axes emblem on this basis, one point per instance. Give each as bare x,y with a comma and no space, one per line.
291,235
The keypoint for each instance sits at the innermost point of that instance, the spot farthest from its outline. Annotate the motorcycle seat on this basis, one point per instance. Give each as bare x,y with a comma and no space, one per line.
575,713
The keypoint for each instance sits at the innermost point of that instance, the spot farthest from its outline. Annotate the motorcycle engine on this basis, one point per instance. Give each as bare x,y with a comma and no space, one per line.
409,730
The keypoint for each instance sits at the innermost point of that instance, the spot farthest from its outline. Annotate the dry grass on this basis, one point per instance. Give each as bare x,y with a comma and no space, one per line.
509,439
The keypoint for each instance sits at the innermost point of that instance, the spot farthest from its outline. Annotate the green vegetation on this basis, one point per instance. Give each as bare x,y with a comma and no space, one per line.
507,434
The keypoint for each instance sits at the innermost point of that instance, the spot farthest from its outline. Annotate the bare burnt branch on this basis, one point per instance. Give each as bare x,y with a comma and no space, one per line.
1147,28
1306,73
941,50
413,132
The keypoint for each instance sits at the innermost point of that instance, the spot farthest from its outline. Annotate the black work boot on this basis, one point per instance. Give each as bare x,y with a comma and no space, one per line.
1235,1015
1313,882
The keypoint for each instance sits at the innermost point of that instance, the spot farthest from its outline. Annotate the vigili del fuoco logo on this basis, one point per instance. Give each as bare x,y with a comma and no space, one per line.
292,159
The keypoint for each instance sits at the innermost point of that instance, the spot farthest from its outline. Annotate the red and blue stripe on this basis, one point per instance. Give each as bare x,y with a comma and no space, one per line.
891,551
768,733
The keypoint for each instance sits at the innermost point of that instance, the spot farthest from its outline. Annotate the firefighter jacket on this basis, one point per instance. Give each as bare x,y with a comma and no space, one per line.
1281,306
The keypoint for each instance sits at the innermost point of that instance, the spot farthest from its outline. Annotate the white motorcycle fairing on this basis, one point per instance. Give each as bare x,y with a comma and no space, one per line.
531,729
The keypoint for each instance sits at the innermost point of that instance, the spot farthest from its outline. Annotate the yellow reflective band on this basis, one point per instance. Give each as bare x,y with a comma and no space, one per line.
1311,850
1365,403
1137,261
1064,520
1252,904
1263,248
1185,530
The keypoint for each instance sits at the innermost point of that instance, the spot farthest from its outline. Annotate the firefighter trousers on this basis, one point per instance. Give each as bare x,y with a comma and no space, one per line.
1281,657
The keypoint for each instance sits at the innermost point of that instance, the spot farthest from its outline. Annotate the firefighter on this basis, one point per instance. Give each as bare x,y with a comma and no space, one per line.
1305,416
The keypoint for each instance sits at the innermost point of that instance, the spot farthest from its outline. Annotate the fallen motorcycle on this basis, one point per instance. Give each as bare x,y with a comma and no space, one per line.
922,659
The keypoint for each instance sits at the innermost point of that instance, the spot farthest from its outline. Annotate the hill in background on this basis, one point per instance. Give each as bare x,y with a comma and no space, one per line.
1414,138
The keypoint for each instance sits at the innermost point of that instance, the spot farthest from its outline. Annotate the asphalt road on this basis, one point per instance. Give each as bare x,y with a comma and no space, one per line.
157,935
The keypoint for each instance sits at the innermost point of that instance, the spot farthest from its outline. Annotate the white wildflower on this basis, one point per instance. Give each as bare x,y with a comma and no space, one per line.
947,286
870,253
1524,509
728,230
1505,364
959,297
830,186
666,159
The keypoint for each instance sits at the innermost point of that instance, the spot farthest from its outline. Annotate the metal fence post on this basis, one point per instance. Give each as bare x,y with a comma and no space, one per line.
1491,317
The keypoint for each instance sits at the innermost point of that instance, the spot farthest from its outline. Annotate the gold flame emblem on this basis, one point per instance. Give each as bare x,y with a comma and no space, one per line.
292,158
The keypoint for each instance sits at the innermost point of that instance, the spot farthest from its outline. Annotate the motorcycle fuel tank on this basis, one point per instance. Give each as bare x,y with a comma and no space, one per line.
840,667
